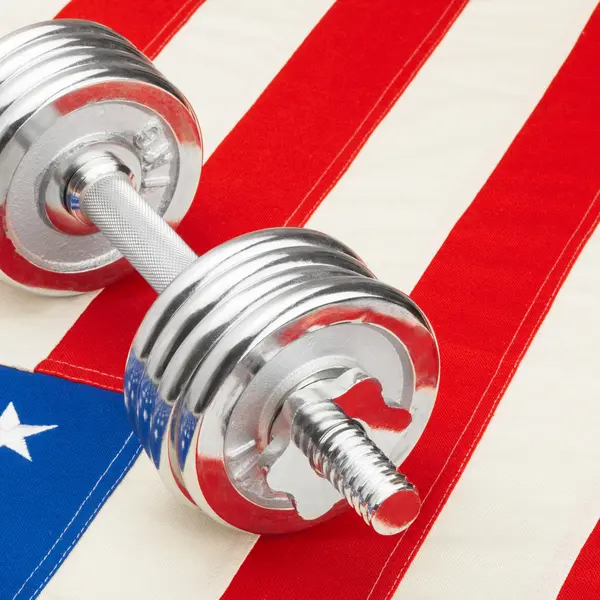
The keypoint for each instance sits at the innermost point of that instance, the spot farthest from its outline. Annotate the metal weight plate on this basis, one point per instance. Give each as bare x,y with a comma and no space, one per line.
208,373
70,89
324,324
201,294
211,263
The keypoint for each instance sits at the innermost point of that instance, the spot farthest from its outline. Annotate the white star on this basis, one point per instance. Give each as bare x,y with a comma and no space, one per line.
13,434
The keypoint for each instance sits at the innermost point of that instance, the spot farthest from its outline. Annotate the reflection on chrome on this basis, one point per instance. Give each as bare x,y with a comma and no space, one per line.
236,354
339,449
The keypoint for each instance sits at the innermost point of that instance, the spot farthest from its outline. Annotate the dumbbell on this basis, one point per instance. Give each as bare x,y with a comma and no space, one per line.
274,382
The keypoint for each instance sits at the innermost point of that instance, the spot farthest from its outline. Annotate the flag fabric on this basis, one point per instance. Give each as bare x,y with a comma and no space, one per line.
454,146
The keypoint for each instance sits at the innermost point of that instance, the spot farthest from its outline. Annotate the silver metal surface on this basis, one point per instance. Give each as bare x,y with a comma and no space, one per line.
218,261
111,203
68,89
238,334
68,215
339,449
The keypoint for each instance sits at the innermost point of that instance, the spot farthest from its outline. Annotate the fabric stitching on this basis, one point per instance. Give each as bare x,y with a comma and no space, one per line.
374,108
84,526
75,515
498,397
168,24
171,34
105,386
68,364
383,114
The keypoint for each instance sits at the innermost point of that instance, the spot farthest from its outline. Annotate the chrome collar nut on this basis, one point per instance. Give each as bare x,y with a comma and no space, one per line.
274,382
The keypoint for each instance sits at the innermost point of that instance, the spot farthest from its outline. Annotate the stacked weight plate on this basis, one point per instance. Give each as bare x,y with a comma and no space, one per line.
66,85
243,327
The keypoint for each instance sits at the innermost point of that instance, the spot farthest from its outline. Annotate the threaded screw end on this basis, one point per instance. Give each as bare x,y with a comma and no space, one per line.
338,449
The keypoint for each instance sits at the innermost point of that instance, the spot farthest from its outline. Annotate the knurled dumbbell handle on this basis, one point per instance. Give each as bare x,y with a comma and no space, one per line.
136,230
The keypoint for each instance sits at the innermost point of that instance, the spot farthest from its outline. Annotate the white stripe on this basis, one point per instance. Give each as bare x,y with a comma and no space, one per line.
230,51
13,16
436,148
530,495
32,325
222,59
145,544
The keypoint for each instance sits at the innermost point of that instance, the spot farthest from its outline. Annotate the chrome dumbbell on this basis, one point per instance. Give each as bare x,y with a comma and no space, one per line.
274,381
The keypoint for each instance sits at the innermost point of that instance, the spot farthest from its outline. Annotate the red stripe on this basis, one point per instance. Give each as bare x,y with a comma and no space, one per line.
279,161
148,24
486,293
583,582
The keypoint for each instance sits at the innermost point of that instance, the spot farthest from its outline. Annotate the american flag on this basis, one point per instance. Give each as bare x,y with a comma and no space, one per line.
455,146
